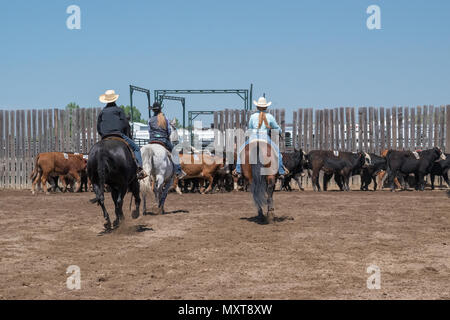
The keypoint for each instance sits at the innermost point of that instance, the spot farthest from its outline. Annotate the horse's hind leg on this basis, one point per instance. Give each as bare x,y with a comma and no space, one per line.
137,200
118,196
101,201
165,191
270,189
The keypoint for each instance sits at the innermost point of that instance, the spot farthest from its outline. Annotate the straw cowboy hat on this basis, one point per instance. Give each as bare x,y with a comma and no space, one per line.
262,103
108,96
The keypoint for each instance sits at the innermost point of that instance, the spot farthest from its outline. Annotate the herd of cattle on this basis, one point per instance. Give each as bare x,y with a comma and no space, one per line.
210,173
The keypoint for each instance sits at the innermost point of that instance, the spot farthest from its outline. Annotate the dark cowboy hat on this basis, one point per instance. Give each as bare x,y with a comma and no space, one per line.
156,106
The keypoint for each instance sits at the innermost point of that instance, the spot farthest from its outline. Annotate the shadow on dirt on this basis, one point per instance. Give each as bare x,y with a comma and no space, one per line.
126,229
149,213
258,220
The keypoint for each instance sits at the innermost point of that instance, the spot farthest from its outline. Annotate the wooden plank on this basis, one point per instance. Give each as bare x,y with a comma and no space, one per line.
388,129
436,127
376,125
406,127
83,130
371,131
50,130
348,129
360,129
306,146
35,139
13,150
283,129
316,130
353,129
294,136
326,128
300,129
394,128
430,126
7,153
442,129
447,124
342,129
23,126
412,129
337,139
310,134
365,126
400,127
382,131
29,149
425,127
44,143
331,129
419,117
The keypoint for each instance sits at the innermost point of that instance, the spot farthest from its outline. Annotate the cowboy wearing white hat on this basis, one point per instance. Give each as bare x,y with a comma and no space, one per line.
112,121
260,124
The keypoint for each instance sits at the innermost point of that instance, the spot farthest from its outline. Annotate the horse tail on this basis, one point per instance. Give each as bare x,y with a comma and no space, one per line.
100,194
259,183
147,164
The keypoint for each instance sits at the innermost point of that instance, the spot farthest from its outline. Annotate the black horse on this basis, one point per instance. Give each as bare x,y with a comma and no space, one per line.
111,163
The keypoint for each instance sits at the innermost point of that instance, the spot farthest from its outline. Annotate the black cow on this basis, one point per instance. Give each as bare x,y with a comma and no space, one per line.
343,167
441,168
315,162
369,173
295,162
402,163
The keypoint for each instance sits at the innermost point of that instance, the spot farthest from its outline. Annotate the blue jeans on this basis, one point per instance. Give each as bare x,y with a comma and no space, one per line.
136,149
280,158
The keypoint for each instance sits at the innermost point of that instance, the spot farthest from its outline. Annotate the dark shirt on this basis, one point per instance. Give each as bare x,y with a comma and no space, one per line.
113,121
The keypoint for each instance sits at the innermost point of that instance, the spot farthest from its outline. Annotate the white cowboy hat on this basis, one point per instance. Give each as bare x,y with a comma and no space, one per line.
262,103
108,96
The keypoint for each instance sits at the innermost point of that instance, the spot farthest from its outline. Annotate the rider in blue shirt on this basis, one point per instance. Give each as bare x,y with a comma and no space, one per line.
260,124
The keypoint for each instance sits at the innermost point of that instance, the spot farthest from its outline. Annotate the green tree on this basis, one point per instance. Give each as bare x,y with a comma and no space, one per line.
178,125
136,114
72,106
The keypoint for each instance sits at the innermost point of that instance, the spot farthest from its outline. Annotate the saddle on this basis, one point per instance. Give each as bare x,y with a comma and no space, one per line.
160,143
122,140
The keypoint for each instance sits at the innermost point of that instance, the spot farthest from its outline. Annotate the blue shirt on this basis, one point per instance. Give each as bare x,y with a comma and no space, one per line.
254,121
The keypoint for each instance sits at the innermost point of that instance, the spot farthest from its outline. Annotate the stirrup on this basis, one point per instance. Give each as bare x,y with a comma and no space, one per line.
142,174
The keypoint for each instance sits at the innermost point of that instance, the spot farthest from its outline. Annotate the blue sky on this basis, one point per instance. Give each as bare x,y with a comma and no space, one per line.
300,53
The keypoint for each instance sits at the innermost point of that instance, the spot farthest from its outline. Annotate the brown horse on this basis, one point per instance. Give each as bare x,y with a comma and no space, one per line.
259,165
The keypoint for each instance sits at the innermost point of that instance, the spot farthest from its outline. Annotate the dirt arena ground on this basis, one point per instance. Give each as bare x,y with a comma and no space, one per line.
208,247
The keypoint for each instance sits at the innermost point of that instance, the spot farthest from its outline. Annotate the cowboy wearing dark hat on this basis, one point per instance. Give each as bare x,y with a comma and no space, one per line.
160,130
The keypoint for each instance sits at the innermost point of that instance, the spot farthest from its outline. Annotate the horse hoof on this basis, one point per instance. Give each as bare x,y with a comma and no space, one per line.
107,226
135,214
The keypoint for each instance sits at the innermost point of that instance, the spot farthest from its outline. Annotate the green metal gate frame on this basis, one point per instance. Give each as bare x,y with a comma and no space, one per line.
245,94
192,116
146,91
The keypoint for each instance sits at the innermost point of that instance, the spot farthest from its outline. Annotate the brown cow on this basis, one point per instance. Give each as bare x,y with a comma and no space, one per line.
57,163
201,165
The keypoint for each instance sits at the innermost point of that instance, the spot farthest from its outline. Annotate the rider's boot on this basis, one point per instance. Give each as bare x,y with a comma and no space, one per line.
179,172
141,174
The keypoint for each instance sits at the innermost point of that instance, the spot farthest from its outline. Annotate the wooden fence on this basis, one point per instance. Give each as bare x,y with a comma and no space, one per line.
351,129
26,133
